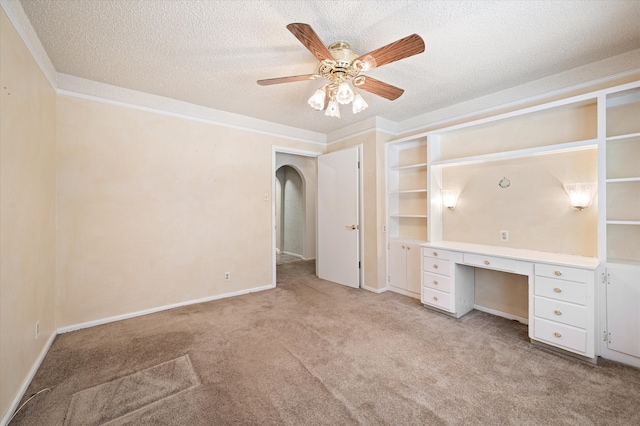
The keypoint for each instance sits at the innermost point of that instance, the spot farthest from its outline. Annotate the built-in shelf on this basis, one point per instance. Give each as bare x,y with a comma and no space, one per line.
623,222
627,136
628,179
611,261
520,153
409,167
408,191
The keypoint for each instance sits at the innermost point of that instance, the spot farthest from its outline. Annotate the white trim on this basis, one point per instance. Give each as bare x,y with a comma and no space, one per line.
404,292
375,290
516,104
27,381
160,308
178,109
378,124
299,256
29,37
501,314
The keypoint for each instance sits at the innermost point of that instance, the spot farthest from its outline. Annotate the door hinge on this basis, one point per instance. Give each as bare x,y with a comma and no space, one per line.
358,164
604,336
359,265
389,278
604,278
388,246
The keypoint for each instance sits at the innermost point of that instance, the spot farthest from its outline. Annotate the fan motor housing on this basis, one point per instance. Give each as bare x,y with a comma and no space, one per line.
341,68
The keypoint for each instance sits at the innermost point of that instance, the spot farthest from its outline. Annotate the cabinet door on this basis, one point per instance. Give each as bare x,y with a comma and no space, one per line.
413,268
623,310
398,264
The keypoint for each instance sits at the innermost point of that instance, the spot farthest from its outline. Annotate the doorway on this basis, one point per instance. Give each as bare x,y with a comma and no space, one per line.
294,206
290,215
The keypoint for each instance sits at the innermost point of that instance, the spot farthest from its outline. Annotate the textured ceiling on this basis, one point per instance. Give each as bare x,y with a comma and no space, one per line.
211,53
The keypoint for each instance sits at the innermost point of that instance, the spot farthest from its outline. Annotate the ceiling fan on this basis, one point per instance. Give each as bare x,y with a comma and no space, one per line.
340,65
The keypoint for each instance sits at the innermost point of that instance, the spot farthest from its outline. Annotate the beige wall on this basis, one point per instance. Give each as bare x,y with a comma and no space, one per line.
154,209
535,209
27,215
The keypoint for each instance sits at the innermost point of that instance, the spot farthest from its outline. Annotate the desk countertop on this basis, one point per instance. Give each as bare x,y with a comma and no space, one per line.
517,254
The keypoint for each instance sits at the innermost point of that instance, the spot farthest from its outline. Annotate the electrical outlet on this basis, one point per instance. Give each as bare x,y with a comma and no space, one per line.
504,236
227,276
37,329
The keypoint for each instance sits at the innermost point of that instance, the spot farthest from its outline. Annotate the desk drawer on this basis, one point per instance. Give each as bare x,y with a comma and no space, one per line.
567,291
438,266
489,262
562,272
436,253
436,298
436,282
566,313
560,335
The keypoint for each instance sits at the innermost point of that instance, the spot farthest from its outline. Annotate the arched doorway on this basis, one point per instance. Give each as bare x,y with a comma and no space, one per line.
290,214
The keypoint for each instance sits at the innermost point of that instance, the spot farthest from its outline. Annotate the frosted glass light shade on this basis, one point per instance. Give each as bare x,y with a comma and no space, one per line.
317,100
449,199
344,95
359,104
580,194
332,109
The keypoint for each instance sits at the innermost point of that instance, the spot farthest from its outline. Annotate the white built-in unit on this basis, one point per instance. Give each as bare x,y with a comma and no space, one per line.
406,214
509,173
620,225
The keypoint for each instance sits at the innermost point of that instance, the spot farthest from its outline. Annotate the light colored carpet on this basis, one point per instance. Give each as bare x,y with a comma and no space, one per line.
311,352
115,399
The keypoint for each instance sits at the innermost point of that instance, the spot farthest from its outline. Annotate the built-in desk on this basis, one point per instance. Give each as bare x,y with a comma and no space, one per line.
562,308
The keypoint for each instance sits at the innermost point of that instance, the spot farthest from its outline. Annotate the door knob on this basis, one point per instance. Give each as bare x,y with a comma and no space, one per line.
351,226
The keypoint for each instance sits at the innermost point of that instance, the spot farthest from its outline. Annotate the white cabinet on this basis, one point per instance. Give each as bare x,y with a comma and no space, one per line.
404,266
621,336
620,200
446,286
564,308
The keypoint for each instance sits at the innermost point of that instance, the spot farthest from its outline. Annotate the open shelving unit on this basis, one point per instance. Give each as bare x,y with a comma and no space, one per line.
407,213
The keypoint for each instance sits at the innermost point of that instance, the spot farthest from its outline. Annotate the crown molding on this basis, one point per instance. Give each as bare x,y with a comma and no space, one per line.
378,124
590,75
23,27
69,85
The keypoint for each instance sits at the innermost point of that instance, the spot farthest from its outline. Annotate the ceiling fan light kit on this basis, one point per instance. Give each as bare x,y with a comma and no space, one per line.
341,66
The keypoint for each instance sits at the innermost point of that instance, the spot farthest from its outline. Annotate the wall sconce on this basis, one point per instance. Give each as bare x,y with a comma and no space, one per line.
449,199
580,194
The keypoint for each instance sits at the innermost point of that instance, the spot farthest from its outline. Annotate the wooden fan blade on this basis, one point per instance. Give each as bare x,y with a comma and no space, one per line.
380,88
290,79
399,49
310,39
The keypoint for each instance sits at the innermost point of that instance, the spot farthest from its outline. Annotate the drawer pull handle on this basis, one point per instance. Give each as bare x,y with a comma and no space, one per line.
557,334
435,282
557,273
435,266
486,262
403,247
557,312
435,253
408,248
557,290
435,298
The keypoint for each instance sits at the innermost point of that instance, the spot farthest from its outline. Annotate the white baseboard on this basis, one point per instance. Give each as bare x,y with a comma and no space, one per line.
28,379
501,314
293,254
404,292
160,308
375,290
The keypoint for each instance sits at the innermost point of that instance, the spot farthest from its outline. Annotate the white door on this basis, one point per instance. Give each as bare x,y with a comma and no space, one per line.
623,310
338,217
